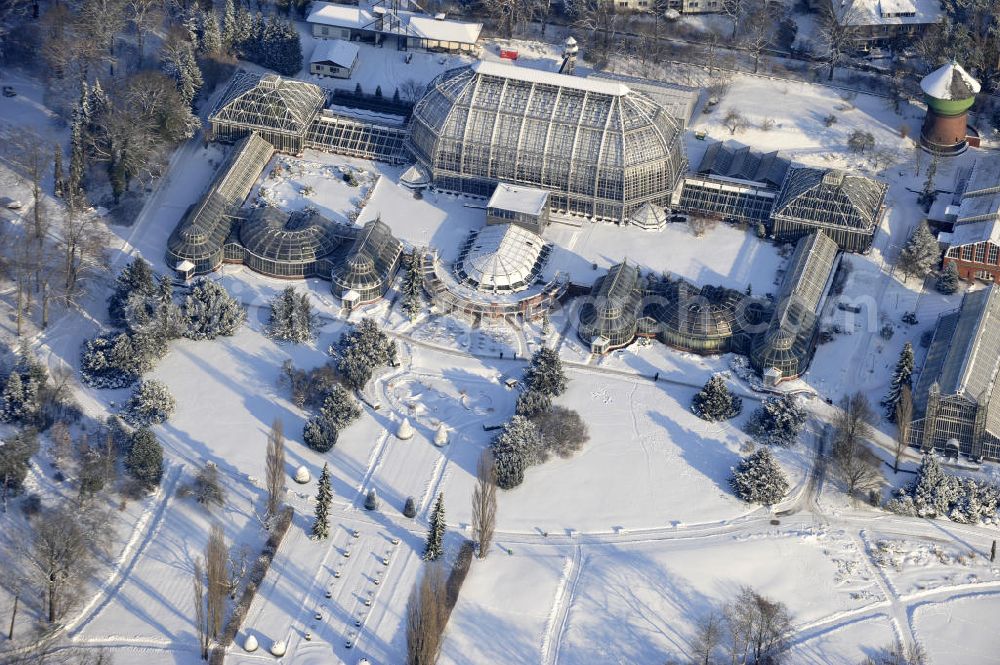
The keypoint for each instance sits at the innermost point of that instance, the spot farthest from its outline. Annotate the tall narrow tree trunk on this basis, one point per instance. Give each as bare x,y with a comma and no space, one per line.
13,617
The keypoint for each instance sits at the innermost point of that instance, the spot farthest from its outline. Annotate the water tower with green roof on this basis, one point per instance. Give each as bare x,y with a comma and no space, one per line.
949,92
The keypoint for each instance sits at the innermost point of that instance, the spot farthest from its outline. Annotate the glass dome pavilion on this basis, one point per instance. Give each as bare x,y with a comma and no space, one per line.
600,148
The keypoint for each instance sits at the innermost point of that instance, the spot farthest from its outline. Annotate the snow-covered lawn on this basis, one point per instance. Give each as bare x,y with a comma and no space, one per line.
958,630
316,181
846,644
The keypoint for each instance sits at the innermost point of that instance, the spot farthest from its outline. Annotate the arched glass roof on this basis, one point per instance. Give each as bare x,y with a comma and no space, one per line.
502,257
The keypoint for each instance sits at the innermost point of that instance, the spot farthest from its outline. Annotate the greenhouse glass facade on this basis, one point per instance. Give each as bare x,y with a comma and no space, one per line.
288,245
371,264
599,148
609,317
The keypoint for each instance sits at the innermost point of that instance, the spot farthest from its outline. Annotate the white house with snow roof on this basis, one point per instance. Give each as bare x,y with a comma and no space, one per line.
334,57
882,22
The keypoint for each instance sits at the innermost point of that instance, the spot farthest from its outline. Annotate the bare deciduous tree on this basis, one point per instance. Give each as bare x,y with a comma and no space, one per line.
904,418
707,638
217,579
275,469
758,627
854,461
735,121
484,503
426,616
511,15
838,33
200,613
758,30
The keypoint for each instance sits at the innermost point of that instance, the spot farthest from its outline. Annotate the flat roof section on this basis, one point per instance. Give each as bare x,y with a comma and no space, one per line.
515,198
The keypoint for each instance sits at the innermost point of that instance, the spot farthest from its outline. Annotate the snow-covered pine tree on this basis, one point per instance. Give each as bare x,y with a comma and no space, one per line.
920,253
144,460
947,281
150,404
12,400
136,280
759,479
716,402
361,350
412,286
211,312
211,35
168,319
191,78
292,318
518,446
324,496
15,461
778,421
929,489
410,508
530,403
340,408
901,376
230,38
319,434
545,373
434,547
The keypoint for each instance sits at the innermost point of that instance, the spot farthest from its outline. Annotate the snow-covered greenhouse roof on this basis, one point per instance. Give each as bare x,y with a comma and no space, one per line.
371,262
696,313
200,235
298,237
268,102
964,355
612,309
830,197
502,257
601,148
950,82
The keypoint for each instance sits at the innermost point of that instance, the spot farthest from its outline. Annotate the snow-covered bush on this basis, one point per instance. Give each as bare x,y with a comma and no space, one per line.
117,360
211,312
778,421
716,402
361,350
205,488
319,434
410,508
150,404
371,500
144,461
935,493
339,410
518,446
545,373
759,479
292,317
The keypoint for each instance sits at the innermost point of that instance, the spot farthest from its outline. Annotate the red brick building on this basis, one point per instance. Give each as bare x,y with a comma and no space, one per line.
974,241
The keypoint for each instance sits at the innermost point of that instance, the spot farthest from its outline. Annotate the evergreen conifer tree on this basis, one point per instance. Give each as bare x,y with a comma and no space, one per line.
716,402
778,421
759,479
12,408
947,281
292,318
920,253
412,286
230,36
901,376
211,35
371,500
321,526
135,279
145,458
545,373
518,446
211,312
434,547
410,508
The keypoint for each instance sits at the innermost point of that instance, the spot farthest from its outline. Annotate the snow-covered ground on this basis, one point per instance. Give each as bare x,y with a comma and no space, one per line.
609,556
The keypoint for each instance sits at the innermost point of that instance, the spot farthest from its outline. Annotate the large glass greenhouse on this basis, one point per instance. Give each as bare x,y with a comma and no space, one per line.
701,320
600,148
280,110
501,258
370,266
609,316
784,350
201,235
845,206
289,245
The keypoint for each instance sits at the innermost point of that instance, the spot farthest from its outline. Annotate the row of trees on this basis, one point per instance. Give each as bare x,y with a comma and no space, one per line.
935,493
539,428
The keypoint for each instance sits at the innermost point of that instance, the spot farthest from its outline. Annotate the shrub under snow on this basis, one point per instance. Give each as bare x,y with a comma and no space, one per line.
150,404
716,402
118,360
211,312
759,479
778,421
